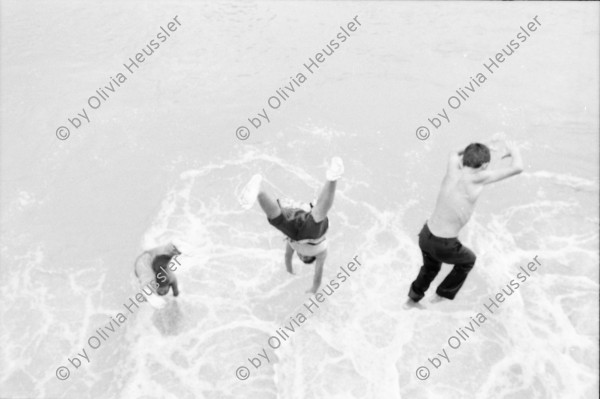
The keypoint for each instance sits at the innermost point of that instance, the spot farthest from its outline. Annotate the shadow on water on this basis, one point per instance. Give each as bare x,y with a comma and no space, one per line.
169,320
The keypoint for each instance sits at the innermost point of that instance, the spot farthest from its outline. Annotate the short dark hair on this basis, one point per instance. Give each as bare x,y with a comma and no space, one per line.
475,155
308,259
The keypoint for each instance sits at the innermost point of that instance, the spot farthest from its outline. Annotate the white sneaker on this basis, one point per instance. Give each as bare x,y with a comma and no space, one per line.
336,169
247,197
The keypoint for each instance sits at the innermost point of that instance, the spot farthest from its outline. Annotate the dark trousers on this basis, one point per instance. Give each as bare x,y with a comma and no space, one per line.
436,250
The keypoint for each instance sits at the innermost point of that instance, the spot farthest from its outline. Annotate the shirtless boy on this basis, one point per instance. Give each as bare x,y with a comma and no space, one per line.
467,174
304,225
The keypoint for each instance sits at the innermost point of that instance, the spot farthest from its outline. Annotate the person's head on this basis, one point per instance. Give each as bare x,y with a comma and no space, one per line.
476,155
162,289
307,259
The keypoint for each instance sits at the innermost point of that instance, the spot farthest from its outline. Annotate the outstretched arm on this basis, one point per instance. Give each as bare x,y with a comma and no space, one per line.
516,167
174,286
289,252
318,271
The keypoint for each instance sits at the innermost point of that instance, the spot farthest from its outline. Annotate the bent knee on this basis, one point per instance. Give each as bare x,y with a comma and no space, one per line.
468,263
470,258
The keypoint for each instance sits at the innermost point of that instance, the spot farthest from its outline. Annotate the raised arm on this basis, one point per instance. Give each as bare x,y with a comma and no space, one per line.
455,160
289,252
318,271
497,142
516,167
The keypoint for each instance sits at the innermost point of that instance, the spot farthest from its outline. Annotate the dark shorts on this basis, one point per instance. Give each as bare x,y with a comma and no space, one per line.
298,224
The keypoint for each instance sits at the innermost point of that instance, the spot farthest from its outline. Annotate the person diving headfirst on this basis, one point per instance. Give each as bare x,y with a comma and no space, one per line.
304,225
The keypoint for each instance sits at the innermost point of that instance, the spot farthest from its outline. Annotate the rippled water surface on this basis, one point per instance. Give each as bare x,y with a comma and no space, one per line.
159,160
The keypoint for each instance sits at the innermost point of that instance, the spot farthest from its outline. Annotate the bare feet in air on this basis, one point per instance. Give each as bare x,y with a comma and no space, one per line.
247,197
335,170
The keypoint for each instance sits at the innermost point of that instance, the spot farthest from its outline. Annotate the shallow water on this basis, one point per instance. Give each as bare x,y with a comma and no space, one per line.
159,160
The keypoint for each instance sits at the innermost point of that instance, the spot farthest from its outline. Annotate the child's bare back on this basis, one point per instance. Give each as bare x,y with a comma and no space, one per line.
461,188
